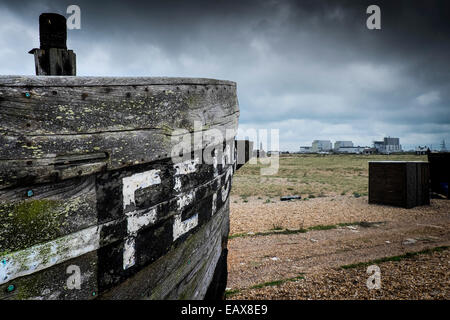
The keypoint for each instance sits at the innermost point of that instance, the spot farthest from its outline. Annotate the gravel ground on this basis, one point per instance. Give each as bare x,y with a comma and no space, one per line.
424,276
319,254
257,216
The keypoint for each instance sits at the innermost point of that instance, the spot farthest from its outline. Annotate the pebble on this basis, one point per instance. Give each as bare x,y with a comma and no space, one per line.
409,241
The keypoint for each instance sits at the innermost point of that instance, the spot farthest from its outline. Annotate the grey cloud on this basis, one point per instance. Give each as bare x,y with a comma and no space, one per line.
310,68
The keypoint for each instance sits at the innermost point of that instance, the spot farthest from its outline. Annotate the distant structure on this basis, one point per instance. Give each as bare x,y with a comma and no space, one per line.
355,149
421,150
340,144
259,153
385,146
388,145
321,146
443,148
305,149
347,147
370,151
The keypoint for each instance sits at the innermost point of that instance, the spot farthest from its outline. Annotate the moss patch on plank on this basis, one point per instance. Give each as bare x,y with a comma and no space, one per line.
29,222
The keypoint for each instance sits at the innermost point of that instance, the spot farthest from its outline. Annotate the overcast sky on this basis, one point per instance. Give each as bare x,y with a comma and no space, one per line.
311,69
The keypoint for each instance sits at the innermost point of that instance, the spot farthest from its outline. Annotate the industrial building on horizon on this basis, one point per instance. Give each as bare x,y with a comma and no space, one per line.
386,146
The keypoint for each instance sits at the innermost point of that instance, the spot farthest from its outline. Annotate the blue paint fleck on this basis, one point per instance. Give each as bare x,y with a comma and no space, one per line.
30,193
27,94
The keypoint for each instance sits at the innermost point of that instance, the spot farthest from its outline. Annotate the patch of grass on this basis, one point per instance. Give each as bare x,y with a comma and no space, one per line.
323,227
333,174
267,233
407,255
277,282
277,229
229,293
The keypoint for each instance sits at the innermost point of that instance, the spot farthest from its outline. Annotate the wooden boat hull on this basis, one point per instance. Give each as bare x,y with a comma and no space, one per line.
91,201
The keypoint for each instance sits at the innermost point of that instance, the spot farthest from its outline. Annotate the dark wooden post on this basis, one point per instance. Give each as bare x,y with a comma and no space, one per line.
53,58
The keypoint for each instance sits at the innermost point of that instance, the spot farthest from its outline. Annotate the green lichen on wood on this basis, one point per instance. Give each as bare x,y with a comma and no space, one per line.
29,222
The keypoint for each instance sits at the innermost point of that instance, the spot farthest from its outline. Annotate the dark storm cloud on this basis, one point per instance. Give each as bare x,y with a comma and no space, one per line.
310,68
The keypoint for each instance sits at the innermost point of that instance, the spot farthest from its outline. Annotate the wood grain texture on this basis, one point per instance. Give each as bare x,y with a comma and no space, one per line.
44,120
184,273
87,180
55,62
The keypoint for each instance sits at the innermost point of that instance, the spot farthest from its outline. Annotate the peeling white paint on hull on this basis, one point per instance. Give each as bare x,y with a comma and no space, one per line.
47,254
182,227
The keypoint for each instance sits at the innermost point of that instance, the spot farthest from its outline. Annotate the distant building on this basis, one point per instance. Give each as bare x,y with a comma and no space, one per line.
321,146
379,146
421,150
388,145
259,153
305,149
392,145
352,149
339,144
370,151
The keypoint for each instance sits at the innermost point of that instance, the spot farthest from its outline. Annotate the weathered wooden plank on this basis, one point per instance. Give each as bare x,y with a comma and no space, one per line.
40,213
100,266
41,81
94,155
170,277
81,110
55,62
51,284
129,124
110,238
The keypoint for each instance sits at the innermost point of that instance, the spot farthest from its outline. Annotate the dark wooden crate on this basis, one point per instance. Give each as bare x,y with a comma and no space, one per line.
399,183
439,171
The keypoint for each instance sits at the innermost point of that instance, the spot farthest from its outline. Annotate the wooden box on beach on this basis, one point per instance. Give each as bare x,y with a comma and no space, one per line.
399,183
